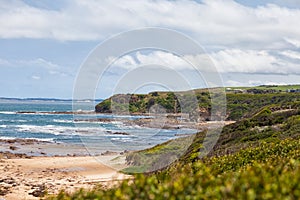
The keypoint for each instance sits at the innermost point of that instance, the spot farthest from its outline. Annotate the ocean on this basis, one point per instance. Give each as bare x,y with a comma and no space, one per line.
45,120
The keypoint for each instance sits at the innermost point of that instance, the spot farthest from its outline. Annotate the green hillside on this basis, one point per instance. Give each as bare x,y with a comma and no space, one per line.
258,157
240,101
279,88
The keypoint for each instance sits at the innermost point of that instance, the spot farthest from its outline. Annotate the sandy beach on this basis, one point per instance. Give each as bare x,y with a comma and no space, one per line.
30,178
53,167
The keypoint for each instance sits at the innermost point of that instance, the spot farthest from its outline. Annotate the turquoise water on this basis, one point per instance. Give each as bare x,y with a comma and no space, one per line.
42,124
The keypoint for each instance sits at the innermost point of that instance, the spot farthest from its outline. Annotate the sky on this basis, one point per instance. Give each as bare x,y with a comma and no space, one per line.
43,44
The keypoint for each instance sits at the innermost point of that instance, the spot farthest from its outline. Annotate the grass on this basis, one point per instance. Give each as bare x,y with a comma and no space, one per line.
157,157
282,88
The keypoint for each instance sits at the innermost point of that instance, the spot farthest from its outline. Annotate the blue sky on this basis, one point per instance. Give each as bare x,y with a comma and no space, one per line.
43,43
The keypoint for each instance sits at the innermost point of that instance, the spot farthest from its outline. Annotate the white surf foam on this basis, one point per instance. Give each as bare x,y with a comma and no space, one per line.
62,121
7,138
7,112
61,130
31,138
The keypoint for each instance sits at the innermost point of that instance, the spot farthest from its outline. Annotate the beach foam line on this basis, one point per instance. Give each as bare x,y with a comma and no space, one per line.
61,130
12,121
8,112
80,121
7,138
70,112
30,138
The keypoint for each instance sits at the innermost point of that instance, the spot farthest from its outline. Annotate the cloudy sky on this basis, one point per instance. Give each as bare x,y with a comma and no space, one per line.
43,43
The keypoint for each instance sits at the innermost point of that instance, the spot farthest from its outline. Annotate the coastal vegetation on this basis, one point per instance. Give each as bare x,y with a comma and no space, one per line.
257,157
241,102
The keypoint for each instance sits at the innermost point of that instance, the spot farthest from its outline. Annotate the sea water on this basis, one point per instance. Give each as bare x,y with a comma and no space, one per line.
38,119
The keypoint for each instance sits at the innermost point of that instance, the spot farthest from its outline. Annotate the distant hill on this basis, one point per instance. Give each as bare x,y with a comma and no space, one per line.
241,101
47,99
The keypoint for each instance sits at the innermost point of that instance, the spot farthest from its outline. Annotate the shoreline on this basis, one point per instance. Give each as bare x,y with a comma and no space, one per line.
30,167
37,148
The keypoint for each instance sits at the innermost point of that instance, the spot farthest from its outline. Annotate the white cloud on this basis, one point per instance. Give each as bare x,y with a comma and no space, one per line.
4,62
236,60
294,42
217,22
163,59
234,83
251,61
38,64
36,77
265,82
240,39
126,62
225,61
291,54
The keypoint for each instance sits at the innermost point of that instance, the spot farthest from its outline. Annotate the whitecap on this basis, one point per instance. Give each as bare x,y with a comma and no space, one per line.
62,121
19,120
61,130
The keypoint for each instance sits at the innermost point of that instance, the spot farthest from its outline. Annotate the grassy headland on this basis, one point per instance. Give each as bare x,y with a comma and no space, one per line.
241,101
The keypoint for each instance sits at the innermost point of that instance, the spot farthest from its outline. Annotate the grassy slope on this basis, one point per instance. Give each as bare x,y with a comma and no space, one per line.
258,157
273,87
238,105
